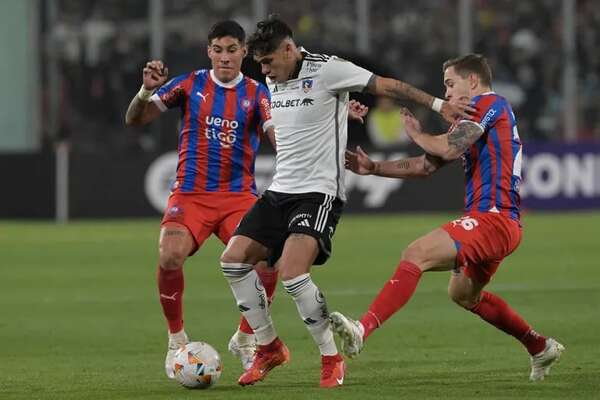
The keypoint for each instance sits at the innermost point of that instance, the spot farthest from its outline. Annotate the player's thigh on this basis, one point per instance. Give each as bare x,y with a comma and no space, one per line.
187,212
434,251
315,215
261,229
298,255
465,290
175,244
483,239
243,249
233,212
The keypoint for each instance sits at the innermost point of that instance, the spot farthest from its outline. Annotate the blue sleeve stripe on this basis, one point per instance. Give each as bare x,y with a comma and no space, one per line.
171,84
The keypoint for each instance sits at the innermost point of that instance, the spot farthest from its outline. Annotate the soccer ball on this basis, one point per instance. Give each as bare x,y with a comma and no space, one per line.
197,365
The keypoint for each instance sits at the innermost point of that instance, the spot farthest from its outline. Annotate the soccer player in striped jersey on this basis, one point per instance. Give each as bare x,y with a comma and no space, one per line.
223,114
473,246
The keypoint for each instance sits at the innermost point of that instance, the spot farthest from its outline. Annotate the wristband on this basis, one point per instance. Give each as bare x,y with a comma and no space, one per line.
437,104
145,94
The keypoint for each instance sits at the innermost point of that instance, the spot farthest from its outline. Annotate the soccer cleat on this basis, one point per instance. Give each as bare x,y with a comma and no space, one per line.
333,369
243,346
542,362
350,332
176,341
266,358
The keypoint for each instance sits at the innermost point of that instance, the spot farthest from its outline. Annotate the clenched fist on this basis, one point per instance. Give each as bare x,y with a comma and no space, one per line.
154,75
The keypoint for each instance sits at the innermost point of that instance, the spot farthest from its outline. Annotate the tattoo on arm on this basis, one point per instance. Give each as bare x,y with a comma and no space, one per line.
403,164
463,136
371,84
401,89
398,90
136,109
174,233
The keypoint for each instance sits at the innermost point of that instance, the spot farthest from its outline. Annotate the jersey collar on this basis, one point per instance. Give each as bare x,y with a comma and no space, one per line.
227,85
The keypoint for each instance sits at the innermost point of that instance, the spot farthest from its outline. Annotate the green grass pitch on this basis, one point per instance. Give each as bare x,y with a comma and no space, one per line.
81,318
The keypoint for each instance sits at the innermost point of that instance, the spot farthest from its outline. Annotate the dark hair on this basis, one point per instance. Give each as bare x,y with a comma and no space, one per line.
269,35
471,64
227,28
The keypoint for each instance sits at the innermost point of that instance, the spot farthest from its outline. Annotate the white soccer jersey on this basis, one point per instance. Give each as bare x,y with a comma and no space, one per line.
310,114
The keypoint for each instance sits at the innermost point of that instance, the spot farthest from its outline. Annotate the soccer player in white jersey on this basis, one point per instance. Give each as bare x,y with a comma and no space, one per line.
292,224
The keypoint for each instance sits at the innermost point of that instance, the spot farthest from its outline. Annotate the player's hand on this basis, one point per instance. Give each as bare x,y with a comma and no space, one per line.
357,111
411,124
459,109
154,75
359,162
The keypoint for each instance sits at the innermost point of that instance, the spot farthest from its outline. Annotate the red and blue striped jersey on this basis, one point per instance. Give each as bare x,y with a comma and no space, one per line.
221,125
493,163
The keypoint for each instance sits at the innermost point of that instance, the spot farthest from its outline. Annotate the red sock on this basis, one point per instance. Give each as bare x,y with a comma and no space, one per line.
395,294
170,288
494,310
269,281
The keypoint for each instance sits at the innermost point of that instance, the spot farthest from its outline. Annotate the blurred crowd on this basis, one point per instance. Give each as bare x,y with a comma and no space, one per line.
102,45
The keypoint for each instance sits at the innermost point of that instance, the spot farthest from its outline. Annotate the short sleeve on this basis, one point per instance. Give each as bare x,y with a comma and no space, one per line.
340,75
488,110
263,99
172,94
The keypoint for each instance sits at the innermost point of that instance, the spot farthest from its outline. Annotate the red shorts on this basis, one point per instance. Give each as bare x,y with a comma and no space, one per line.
206,213
483,240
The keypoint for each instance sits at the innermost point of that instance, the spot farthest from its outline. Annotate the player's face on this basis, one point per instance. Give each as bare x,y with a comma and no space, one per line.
457,87
276,65
226,55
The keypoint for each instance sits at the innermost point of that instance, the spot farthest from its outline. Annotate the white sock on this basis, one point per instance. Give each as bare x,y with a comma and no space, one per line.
178,339
312,308
245,338
251,299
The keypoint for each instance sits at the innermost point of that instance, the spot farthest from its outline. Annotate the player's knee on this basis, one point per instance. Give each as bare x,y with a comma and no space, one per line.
231,255
286,272
171,258
415,253
462,299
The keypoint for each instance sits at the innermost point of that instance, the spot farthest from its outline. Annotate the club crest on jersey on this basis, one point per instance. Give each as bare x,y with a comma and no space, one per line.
174,211
245,103
307,85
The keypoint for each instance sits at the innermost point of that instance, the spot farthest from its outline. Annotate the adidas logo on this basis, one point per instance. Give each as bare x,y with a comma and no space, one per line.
304,222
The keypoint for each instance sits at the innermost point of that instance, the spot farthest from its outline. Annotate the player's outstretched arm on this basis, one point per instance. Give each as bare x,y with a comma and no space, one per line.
413,167
141,110
401,90
448,146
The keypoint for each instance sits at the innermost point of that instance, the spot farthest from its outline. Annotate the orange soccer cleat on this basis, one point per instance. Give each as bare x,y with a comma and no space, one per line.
266,358
333,369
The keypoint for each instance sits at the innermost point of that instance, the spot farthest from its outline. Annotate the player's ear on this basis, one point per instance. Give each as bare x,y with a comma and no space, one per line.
473,80
288,50
245,50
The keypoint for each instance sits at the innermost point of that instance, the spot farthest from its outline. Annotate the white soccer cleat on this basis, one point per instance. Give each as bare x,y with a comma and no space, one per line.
350,332
176,341
542,362
243,346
